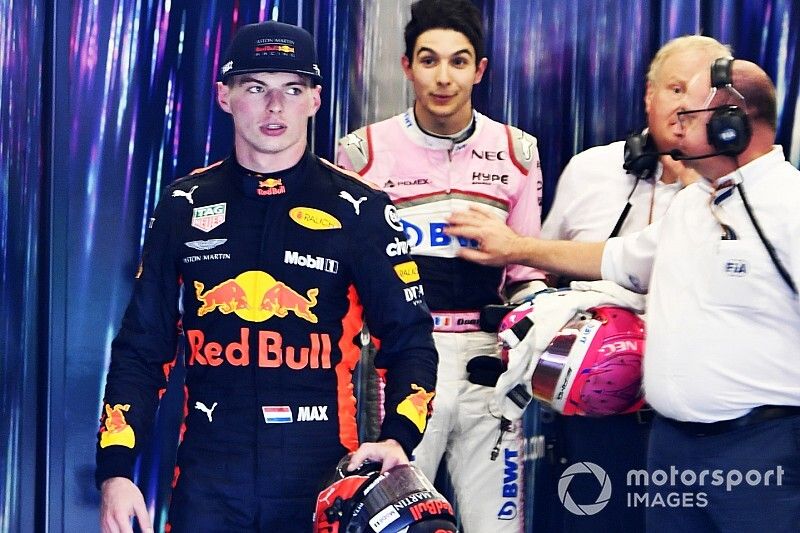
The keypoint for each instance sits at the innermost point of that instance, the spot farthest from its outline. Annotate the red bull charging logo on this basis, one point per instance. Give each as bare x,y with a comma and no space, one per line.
256,296
417,406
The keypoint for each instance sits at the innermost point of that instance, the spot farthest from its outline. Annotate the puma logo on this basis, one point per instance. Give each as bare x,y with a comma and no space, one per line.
356,203
187,195
202,407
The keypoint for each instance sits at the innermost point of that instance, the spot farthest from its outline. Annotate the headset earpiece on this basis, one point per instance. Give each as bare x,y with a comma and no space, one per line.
641,156
728,130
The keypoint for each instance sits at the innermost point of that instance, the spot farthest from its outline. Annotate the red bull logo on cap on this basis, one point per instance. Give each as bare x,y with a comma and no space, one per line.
256,296
284,48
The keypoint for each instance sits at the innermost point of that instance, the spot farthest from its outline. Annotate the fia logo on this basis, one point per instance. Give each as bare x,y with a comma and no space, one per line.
736,268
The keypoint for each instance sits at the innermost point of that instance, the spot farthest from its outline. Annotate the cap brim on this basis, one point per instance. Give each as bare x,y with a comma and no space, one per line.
316,78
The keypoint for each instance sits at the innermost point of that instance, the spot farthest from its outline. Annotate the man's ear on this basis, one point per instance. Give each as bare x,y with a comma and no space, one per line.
223,93
316,95
648,97
481,68
405,62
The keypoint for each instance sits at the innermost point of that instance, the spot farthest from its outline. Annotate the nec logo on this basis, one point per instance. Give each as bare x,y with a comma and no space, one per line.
489,156
736,267
312,413
309,261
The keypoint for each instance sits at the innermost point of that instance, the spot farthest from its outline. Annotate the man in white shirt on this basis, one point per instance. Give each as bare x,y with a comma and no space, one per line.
620,188
724,321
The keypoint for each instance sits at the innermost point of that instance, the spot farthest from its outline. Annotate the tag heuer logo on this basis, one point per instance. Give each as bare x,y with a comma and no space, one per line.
208,217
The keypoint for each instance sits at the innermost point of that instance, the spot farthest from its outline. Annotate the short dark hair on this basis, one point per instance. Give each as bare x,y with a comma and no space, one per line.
458,15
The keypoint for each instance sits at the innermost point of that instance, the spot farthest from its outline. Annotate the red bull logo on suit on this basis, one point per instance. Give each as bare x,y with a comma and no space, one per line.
256,296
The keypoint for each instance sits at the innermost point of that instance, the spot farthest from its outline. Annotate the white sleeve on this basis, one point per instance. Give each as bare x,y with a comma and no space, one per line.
557,221
628,260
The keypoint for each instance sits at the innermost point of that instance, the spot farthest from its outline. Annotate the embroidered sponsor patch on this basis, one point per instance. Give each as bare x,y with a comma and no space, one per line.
408,271
205,245
311,218
417,406
277,414
392,217
208,217
116,431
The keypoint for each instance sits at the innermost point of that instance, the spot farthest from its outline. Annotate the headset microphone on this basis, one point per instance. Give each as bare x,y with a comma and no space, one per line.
677,155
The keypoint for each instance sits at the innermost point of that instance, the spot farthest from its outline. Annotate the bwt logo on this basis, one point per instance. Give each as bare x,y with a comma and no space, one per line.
510,485
434,236
584,508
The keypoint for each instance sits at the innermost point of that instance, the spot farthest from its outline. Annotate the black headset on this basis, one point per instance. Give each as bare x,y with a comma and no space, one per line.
729,132
641,160
641,155
728,129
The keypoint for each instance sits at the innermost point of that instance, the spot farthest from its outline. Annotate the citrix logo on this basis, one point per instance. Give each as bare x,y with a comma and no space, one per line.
397,247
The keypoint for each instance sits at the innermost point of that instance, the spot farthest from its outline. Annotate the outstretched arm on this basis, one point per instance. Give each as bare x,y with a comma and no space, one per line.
500,245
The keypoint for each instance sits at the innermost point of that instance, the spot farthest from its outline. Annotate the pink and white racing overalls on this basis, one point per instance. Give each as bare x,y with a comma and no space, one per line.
496,168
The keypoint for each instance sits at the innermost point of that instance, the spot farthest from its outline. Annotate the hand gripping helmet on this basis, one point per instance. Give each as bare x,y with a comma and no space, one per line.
400,500
593,366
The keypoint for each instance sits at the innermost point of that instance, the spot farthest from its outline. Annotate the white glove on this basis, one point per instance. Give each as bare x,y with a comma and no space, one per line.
551,310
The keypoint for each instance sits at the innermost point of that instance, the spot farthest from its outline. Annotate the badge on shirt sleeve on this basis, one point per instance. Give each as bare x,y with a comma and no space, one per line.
417,406
408,272
115,430
392,217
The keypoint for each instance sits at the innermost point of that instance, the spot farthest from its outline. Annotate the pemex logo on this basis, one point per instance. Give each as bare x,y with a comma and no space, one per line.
584,508
256,296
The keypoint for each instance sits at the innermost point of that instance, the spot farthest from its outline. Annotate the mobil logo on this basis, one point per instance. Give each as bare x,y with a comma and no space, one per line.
431,234
255,296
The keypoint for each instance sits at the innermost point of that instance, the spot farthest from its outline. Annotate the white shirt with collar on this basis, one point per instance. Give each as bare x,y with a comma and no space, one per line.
723,327
592,192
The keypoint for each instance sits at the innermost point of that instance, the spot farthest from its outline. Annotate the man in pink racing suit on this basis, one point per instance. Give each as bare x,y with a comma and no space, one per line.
438,157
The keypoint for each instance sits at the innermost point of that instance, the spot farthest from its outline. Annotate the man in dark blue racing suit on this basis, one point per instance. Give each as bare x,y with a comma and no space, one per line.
265,260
